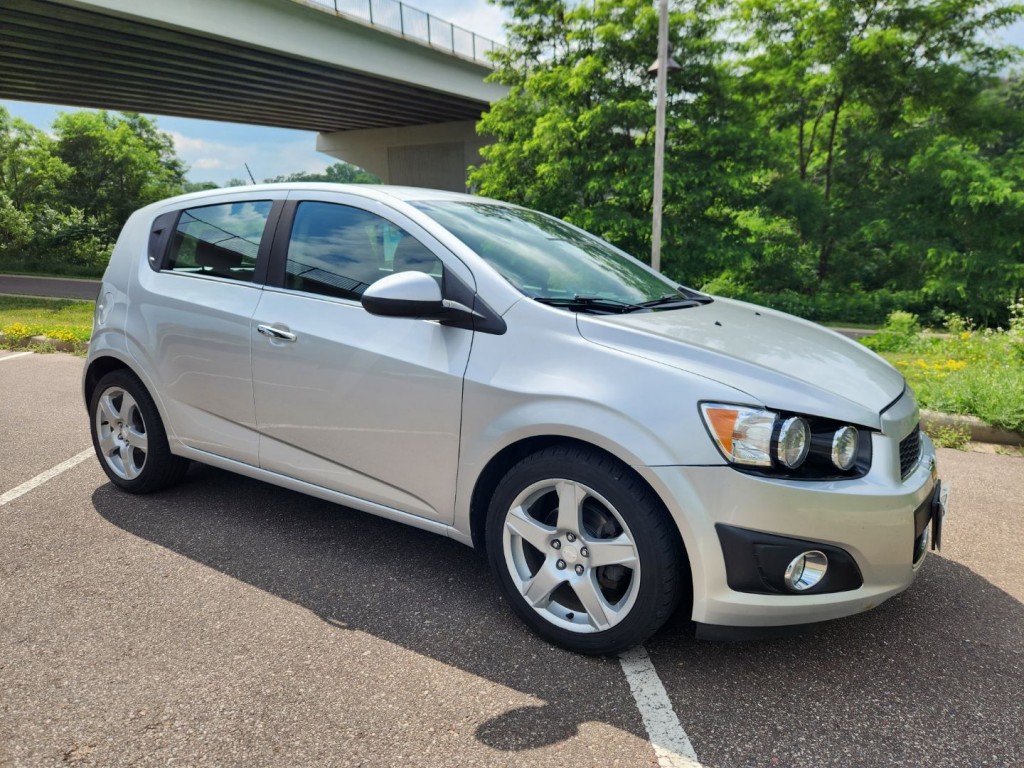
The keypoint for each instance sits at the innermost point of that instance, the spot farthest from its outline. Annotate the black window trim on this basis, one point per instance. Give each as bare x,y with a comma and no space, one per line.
159,245
277,262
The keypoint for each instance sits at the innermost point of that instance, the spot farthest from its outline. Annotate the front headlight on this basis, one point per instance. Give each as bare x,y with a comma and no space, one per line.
844,447
766,442
793,443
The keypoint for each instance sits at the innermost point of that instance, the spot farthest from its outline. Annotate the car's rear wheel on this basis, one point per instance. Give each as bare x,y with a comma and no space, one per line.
129,436
583,550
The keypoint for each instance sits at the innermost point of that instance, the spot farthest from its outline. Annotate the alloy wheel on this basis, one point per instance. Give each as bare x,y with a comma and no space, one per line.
571,556
121,433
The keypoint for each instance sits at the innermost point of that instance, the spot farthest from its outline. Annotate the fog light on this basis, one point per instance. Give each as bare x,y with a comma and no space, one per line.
921,545
806,570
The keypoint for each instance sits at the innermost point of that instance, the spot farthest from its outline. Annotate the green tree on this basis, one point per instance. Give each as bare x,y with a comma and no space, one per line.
337,173
864,152
36,232
16,234
878,114
64,198
975,257
200,186
119,162
29,170
575,135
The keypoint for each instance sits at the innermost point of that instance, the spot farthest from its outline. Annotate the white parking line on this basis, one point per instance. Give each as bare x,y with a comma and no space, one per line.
49,474
671,745
16,354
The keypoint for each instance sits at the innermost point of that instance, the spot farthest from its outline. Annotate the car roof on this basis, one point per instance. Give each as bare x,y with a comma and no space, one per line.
382,192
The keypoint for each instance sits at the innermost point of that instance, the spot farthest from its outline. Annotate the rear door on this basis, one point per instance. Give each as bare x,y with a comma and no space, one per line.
365,405
190,318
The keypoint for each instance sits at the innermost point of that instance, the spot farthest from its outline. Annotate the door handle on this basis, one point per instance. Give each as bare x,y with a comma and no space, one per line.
276,333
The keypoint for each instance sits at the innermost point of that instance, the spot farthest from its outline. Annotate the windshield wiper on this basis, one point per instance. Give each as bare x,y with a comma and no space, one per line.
675,300
592,303
602,304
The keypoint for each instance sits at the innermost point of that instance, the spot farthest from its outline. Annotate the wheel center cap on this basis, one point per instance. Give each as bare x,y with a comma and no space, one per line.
570,554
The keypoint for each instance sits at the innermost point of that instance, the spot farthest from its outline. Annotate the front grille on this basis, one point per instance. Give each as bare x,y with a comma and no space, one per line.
910,451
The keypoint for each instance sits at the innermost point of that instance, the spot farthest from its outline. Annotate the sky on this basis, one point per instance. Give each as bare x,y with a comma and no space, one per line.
218,152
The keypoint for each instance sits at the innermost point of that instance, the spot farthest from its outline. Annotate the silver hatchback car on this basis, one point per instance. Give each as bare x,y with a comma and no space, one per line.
617,444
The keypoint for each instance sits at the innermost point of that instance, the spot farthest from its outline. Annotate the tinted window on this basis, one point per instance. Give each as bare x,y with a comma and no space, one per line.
340,251
219,240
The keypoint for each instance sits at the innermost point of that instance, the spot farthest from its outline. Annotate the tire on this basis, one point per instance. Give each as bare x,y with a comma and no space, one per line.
583,550
129,437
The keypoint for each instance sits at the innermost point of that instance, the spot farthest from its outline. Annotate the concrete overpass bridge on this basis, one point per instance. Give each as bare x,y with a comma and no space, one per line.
389,88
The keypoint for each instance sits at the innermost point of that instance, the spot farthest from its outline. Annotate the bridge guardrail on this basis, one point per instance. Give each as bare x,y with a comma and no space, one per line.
414,24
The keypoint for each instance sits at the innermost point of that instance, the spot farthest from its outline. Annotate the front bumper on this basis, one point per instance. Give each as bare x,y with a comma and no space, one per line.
871,518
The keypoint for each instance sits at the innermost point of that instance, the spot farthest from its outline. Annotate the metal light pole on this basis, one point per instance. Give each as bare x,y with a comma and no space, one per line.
661,67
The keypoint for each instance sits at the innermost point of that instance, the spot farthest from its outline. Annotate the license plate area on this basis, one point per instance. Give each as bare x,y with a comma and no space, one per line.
928,519
939,501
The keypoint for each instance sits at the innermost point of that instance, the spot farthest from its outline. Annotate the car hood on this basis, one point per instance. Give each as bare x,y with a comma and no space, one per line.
776,359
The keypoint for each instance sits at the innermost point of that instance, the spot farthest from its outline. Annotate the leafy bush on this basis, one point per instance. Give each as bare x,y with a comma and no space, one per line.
900,333
69,243
15,230
1016,332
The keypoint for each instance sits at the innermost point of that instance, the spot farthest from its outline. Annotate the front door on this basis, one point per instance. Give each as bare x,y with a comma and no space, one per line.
369,406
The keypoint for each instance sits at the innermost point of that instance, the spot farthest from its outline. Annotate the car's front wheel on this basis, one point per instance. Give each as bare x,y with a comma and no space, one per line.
583,550
129,436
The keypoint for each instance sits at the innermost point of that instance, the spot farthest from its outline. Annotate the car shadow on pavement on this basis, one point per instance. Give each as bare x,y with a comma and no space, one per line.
936,668
359,572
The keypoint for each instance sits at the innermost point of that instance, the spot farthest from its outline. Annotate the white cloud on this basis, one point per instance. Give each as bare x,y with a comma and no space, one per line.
207,164
184,144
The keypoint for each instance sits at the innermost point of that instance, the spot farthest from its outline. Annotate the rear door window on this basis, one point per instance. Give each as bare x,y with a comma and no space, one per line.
219,240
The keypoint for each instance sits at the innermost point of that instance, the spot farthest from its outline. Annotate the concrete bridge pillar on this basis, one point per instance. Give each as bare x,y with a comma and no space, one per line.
435,155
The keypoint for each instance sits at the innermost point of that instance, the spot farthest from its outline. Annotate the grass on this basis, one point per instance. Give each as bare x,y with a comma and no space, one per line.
950,437
986,383
63,320
965,371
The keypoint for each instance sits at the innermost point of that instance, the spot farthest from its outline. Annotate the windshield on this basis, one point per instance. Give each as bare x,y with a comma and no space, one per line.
549,260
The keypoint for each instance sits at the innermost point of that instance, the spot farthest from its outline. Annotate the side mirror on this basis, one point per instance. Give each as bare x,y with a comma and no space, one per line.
406,294
417,294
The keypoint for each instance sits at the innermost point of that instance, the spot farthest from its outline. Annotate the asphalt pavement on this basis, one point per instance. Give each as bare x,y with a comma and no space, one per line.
50,287
227,622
